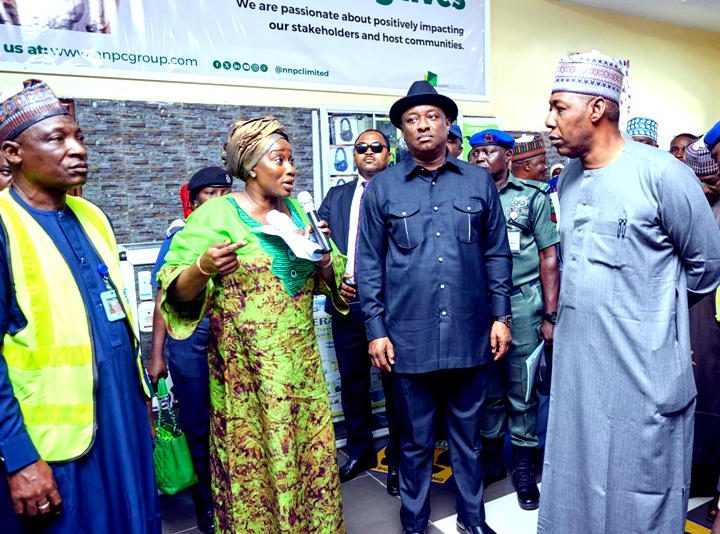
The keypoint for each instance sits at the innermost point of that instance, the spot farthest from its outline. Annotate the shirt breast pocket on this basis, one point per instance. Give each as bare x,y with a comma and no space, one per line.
405,225
467,214
606,246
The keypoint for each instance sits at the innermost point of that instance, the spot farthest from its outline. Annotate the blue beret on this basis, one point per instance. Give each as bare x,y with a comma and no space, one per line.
492,137
456,131
713,136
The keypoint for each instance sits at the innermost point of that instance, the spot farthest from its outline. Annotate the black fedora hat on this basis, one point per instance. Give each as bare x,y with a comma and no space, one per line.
421,93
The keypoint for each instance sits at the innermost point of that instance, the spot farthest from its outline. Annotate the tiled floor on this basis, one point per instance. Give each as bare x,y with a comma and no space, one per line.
369,509
178,514
366,505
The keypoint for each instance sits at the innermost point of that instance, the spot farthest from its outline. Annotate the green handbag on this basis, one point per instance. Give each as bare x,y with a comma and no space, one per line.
174,469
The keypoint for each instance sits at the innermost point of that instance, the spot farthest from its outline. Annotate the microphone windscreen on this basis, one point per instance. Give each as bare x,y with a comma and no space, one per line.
306,201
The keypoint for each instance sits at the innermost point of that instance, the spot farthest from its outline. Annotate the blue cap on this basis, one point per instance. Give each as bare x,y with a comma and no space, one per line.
642,127
210,177
456,131
492,137
713,136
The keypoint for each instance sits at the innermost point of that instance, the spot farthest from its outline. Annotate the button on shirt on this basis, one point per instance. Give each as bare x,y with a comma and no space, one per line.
434,264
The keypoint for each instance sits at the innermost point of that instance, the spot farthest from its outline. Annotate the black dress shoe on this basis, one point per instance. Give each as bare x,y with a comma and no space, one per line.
393,481
474,529
354,466
712,510
205,522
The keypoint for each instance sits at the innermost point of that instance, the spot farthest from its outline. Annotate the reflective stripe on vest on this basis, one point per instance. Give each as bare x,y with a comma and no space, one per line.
50,361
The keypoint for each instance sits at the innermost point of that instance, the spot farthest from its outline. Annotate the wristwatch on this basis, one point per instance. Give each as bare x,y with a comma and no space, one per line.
504,319
550,317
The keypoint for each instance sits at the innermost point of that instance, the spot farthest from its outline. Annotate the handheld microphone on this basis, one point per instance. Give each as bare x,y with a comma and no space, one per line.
307,204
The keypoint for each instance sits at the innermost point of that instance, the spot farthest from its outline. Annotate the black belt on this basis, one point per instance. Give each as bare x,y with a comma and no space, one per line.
517,290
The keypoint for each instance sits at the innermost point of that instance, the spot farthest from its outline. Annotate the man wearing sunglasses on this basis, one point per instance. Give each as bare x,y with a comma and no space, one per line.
533,238
341,209
434,281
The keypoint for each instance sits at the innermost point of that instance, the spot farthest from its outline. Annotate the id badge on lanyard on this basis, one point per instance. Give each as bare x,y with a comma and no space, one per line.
111,302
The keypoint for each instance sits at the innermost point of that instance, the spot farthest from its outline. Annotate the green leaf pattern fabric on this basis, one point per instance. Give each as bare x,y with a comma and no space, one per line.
273,458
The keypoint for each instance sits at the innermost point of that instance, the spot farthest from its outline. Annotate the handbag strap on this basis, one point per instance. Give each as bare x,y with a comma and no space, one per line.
163,397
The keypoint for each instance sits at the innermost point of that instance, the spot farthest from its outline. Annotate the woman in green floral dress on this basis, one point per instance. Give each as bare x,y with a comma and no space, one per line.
272,443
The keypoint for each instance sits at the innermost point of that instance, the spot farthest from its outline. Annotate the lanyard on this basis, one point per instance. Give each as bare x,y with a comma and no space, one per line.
104,273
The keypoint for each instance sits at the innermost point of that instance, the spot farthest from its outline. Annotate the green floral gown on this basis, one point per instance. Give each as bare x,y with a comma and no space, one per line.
273,459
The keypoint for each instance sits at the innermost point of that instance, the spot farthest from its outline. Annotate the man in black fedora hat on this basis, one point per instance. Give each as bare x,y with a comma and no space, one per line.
434,284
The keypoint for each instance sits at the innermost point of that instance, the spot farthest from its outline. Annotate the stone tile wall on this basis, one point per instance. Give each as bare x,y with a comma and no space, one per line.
140,153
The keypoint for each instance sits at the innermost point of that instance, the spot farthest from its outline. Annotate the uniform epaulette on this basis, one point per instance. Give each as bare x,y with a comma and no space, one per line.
535,184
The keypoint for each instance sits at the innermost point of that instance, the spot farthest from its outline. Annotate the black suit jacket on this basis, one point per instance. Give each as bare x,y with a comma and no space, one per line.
335,209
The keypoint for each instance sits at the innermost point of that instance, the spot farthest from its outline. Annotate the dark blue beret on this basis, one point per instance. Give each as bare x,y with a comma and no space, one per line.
713,136
492,137
456,131
210,177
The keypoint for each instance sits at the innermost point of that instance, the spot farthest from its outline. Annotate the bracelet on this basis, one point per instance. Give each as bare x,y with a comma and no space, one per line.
197,264
550,317
328,264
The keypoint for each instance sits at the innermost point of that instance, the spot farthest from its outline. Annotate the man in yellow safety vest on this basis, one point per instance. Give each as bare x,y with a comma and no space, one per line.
74,435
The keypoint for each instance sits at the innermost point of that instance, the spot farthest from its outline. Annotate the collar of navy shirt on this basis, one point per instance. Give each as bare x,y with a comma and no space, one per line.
411,168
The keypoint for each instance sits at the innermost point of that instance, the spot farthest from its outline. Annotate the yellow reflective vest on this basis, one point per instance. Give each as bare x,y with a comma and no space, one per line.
51,362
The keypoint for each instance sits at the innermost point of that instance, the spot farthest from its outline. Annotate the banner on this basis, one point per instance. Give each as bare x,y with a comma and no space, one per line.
378,46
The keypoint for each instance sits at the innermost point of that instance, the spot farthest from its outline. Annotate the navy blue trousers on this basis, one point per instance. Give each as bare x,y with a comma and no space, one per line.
188,362
418,397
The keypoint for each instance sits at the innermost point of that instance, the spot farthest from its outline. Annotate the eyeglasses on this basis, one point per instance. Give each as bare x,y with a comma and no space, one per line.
376,147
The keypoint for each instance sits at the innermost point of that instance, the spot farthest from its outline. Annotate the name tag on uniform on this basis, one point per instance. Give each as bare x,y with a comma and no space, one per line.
514,240
111,303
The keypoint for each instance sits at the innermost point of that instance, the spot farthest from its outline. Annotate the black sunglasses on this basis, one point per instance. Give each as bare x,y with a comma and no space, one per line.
376,147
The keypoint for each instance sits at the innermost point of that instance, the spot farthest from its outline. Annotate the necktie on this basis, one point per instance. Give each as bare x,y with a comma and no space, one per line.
357,231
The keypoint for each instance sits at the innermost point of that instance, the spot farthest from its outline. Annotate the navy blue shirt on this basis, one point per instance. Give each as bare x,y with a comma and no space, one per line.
434,265
187,356
160,261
